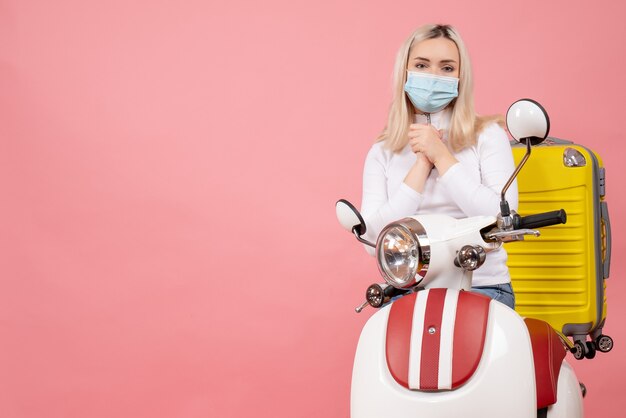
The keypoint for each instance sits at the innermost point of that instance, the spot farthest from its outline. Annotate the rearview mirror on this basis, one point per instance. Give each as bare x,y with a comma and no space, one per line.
528,120
349,217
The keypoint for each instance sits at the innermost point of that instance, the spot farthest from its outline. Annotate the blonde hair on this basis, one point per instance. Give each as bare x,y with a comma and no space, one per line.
464,124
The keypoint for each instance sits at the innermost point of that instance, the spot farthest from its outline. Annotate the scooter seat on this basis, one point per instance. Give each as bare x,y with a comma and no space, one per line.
548,352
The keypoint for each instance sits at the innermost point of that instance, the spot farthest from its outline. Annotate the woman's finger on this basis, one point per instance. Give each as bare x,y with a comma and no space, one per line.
415,142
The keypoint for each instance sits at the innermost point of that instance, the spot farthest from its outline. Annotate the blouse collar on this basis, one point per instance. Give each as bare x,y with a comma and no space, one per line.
440,120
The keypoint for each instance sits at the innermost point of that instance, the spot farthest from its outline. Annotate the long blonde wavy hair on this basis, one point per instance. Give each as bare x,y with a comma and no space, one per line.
465,125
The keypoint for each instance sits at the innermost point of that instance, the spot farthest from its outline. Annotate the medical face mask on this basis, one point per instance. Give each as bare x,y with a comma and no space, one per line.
430,93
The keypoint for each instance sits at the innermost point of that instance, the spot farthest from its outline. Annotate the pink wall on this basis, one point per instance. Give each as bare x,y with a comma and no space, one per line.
168,246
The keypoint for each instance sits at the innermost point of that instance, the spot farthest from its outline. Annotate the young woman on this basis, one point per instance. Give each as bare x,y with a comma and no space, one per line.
436,155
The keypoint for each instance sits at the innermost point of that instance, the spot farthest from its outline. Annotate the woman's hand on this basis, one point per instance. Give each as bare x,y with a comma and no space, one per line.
426,140
423,162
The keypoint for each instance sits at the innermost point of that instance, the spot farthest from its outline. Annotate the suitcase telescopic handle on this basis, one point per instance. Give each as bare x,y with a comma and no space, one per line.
539,220
606,267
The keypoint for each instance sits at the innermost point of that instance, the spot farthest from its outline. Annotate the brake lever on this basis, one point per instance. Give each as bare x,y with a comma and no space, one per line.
513,235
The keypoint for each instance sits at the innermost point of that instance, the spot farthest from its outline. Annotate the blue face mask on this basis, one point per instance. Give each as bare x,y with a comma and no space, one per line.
430,93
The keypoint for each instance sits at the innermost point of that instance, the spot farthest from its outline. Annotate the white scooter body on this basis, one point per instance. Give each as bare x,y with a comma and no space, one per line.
502,386
503,383
442,351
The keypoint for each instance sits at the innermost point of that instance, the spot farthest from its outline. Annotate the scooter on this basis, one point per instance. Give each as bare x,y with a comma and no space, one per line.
435,349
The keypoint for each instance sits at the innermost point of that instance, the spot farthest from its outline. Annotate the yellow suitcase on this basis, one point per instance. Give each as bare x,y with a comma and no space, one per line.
560,276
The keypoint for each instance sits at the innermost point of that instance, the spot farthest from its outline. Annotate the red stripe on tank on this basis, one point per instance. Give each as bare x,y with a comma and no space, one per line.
431,337
398,342
470,327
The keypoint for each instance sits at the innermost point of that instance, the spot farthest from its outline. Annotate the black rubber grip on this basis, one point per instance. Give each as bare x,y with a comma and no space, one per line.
392,292
539,220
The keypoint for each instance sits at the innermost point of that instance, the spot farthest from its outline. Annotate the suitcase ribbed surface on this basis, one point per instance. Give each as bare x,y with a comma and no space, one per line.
557,277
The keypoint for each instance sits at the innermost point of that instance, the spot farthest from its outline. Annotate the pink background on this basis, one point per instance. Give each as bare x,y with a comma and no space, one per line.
168,172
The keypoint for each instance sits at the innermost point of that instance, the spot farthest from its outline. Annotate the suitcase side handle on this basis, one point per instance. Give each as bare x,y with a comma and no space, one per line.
604,212
540,219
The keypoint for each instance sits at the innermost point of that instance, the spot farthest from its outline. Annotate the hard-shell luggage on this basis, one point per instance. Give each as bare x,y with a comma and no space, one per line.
560,277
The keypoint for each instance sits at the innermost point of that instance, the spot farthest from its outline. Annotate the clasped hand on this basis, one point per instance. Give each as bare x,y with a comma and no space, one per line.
426,140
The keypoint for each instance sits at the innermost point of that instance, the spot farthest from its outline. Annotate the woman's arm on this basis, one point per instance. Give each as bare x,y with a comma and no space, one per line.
378,208
496,166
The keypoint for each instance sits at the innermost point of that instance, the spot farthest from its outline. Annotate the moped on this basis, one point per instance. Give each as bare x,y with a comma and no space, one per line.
435,349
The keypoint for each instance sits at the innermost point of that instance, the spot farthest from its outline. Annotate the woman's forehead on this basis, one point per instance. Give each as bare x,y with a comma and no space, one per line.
435,49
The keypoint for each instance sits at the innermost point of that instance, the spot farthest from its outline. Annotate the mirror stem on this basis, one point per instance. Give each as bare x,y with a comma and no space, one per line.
503,202
358,237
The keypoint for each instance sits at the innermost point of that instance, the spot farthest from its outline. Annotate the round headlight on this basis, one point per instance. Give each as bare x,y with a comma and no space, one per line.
400,257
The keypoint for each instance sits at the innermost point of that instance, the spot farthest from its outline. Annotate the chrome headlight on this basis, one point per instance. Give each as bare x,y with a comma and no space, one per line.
403,253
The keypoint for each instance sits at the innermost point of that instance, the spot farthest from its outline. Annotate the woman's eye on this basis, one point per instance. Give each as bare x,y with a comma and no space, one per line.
448,69
420,65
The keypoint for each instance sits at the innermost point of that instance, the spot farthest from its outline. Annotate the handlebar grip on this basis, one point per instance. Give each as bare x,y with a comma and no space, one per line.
392,292
540,219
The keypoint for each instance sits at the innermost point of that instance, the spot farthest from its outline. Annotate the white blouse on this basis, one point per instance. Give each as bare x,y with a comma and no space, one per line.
469,188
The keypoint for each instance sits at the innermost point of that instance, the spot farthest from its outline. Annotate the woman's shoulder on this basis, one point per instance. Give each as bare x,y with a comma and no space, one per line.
491,131
380,152
493,140
488,122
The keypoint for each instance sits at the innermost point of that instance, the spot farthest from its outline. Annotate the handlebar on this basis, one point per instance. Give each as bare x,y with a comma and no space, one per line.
539,220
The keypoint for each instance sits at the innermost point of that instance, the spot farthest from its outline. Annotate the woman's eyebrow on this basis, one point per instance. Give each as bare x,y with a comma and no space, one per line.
427,60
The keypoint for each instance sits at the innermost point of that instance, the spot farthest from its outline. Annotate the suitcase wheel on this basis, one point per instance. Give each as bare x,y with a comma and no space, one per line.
578,350
591,350
604,343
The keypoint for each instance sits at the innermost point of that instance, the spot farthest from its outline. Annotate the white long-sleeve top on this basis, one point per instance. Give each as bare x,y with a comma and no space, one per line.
469,188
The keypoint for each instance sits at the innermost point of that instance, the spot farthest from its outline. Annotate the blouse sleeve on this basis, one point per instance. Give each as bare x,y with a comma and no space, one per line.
496,166
378,208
